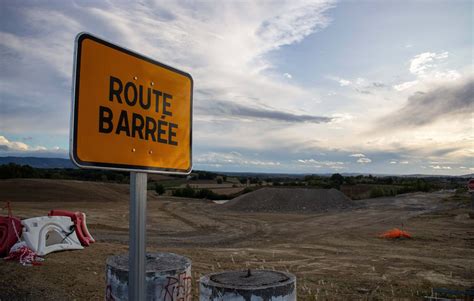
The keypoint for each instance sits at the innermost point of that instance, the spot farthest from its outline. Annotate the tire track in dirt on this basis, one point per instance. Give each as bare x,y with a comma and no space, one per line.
207,227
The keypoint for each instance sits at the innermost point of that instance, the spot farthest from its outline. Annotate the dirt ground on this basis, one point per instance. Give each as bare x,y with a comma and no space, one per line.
335,255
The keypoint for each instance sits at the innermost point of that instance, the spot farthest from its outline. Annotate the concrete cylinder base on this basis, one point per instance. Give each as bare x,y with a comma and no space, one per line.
168,277
255,285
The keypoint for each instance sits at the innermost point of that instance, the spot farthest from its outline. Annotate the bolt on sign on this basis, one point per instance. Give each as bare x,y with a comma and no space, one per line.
129,112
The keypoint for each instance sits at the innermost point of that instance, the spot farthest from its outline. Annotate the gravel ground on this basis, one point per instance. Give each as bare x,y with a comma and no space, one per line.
290,200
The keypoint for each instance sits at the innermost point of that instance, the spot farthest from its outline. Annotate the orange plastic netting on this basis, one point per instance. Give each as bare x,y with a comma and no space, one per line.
395,233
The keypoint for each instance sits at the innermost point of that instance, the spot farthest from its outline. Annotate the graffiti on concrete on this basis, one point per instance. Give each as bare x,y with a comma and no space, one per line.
178,288
108,293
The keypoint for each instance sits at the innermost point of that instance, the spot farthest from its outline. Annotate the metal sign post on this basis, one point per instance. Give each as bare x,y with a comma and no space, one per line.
140,113
137,236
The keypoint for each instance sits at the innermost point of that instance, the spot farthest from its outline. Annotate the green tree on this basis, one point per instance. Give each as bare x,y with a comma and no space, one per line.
159,188
336,180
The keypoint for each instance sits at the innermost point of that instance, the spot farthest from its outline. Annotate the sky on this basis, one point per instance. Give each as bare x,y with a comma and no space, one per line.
383,87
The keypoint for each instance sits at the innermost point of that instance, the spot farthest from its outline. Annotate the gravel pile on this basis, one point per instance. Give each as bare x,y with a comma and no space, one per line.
290,200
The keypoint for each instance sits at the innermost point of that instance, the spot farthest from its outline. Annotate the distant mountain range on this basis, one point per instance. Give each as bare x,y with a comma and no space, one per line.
38,162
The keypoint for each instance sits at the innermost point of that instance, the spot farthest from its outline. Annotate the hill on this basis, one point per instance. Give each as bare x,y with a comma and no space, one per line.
43,190
290,200
38,162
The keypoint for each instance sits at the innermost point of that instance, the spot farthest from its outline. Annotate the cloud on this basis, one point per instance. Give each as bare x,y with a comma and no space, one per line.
287,75
319,164
440,167
311,159
364,160
242,98
445,100
399,162
53,51
379,85
405,85
344,82
293,25
357,155
425,67
341,81
219,159
14,148
361,91
6,145
233,110
422,62
360,85
222,44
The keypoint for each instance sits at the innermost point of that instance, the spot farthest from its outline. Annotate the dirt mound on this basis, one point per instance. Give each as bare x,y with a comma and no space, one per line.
32,190
290,200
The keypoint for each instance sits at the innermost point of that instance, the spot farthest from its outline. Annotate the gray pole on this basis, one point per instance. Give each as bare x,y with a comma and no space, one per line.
137,236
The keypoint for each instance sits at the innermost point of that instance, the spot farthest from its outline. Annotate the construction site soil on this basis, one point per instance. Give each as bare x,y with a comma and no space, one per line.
290,200
335,255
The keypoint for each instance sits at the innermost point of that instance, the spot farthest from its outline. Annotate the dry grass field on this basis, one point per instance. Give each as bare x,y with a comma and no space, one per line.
335,255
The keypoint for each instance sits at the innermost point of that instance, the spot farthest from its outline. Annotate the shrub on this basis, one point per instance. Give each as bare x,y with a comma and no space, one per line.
160,189
376,192
208,194
186,192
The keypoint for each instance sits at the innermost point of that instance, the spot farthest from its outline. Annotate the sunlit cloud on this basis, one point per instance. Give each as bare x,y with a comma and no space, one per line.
8,147
357,155
231,159
335,165
424,67
364,160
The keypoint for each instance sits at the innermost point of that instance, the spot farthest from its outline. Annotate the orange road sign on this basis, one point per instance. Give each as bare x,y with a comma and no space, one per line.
129,112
